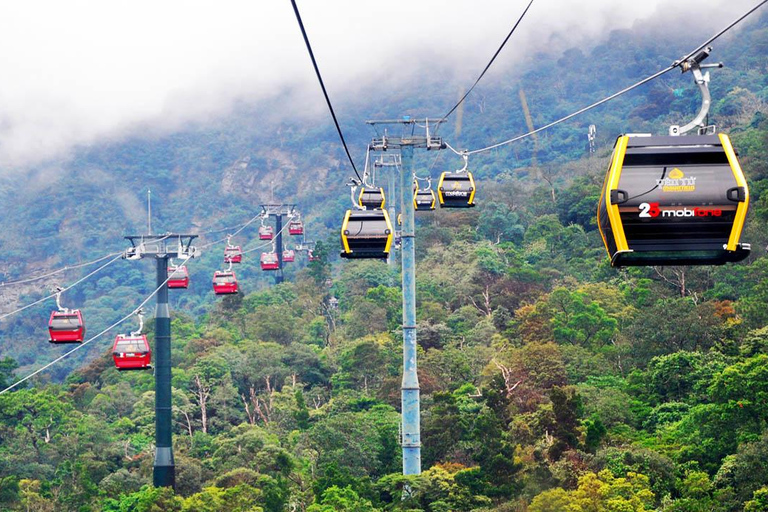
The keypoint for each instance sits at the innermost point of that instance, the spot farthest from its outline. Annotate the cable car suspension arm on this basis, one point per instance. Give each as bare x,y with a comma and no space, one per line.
140,314
702,80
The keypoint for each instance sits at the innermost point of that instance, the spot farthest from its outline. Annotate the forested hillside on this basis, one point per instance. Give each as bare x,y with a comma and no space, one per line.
550,381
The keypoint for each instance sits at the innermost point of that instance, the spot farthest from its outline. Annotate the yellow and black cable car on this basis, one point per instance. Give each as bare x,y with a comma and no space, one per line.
678,200
366,234
456,190
371,198
423,199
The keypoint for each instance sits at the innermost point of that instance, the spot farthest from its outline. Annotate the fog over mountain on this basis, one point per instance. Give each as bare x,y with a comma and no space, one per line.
80,72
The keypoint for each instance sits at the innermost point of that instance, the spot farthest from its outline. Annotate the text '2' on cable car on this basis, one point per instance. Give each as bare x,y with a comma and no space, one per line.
131,351
675,200
65,325
457,189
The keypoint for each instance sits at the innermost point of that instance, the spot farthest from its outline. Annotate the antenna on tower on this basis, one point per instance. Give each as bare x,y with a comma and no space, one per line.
149,211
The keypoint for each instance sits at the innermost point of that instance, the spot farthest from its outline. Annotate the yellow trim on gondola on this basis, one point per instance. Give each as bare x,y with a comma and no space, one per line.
741,209
344,226
599,204
391,232
613,183
440,189
471,184
605,195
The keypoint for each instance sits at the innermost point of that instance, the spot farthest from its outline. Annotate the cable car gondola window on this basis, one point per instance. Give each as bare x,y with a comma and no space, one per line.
65,322
225,279
130,345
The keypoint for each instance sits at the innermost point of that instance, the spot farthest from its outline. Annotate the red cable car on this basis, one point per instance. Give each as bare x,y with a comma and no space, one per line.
269,261
131,352
266,232
289,256
295,227
224,282
178,277
66,326
312,257
233,254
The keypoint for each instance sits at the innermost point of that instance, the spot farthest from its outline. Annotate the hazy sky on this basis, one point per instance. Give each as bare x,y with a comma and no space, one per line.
73,72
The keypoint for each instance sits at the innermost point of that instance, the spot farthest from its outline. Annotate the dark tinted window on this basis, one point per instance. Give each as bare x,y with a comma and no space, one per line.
367,227
681,184
130,345
65,323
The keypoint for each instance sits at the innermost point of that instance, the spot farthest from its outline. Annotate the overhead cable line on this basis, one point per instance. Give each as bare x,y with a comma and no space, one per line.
242,227
93,338
5,315
213,231
54,272
674,65
487,66
572,115
322,86
118,255
247,224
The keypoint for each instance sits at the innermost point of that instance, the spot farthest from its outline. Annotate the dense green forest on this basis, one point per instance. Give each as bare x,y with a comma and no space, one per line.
550,381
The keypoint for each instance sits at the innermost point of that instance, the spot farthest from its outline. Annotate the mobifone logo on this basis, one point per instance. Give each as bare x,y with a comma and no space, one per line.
652,210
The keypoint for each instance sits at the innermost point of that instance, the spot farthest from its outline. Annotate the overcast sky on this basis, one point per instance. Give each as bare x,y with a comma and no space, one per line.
74,72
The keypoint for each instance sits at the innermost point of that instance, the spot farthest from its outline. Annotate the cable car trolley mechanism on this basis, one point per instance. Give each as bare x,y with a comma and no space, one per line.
675,200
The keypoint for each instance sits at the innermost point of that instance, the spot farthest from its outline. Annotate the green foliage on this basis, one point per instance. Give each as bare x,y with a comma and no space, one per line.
599,493
549,380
